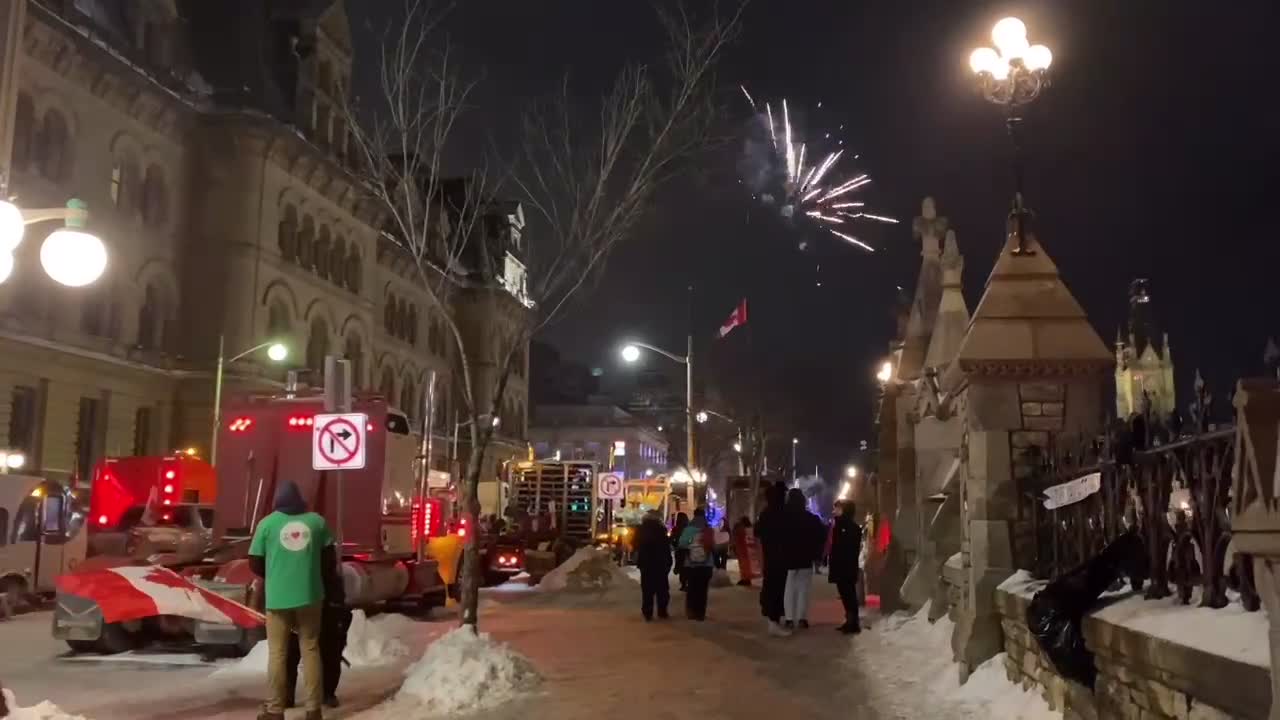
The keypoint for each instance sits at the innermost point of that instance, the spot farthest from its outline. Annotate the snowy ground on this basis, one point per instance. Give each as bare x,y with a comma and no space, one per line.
596,657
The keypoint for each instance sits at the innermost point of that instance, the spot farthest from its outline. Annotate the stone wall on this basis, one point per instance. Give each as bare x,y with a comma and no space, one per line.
1140,677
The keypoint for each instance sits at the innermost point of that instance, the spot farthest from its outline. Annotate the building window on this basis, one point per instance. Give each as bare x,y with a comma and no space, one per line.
388,386
324,77
22,419
411,332
389,315
117,180
402,320
142,431
355,270
51,146
97,314
278,323
24,120
153,196
338,261
150,319
354,352
287,233
87,426
406,398
322,253
306,243
318,345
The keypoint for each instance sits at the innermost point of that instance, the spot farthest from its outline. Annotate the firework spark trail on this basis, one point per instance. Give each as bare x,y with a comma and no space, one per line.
879,218
791,150
824,218
848,204
854,240
825,166
853,184
800,164
772,135
749,98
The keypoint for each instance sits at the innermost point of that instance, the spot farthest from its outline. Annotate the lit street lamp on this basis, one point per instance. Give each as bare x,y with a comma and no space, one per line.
631,353
276,352
11,460
495,422
1012,77
70,256
886,372
851,472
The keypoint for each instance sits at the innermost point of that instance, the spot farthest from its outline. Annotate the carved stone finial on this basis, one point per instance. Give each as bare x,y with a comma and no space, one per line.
927,209
951,249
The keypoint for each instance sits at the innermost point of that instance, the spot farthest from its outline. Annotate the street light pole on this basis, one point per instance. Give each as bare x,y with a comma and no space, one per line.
275,354
688,406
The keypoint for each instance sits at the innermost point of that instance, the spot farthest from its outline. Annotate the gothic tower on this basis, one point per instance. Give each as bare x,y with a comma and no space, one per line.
1144,360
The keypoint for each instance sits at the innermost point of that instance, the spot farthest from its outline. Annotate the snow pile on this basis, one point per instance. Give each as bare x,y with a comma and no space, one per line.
989,693
588,570
910,652
1230,632
371,642
44,711
464,671
376,641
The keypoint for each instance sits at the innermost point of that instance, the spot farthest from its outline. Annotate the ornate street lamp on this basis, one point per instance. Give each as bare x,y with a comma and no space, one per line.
1013,75
70,256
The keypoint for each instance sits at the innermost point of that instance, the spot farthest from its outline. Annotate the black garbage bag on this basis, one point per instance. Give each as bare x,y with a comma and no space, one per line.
1056,612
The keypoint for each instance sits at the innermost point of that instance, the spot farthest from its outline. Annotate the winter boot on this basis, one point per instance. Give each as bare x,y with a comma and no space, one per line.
803,624
778,630
314,715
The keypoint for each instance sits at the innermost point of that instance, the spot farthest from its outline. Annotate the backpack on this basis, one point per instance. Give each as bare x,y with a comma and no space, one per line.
697,551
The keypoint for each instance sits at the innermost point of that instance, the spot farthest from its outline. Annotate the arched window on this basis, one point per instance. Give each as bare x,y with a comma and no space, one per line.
412,330
388,385
355,270
402,320
24,121
317,344
154,196
307,243
354,352
389,315
338,261
98,313
52,147
322,252
324,77
278,322
151,318
287,233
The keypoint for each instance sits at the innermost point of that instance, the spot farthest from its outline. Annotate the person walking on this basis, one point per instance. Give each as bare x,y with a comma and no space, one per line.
804,537
653,557
293,551
769,532
698,541
682,522
846,548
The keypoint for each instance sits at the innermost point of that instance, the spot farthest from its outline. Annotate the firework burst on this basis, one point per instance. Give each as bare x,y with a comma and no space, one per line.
818,192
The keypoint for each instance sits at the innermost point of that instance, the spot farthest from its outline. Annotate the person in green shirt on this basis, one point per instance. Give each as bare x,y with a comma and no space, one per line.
293,551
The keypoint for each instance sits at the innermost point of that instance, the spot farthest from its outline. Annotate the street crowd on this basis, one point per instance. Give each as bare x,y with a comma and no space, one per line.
794,542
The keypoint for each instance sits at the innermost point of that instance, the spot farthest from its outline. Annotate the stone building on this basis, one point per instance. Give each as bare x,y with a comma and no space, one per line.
1144,361
979,402
219,175
604,434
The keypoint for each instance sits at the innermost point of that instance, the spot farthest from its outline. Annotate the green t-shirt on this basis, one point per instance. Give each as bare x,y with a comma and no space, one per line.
292,545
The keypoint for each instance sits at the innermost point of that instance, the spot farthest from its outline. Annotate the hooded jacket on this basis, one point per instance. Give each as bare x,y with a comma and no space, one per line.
653,547
289,500
846,546
803,534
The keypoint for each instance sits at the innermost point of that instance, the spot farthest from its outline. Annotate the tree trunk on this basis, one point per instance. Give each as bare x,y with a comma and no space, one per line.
470,501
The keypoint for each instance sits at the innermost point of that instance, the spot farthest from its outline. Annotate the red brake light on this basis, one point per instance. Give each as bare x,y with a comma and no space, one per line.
167,501
103,520
299,421
168,489
240,424
369,427
462,531
169,475
167,517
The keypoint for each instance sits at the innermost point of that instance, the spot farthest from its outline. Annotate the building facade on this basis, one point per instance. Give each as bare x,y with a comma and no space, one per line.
605,434
220,177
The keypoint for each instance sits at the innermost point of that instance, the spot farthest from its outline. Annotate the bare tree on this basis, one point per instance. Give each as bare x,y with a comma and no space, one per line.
587,183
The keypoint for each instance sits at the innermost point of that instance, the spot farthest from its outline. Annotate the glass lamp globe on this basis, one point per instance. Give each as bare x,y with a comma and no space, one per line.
1010,36
277,352
983,59
1038,57
12,227
73,258
6,265
631,353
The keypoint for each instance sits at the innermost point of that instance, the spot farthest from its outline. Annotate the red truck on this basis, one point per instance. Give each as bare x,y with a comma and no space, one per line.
381,512
129,496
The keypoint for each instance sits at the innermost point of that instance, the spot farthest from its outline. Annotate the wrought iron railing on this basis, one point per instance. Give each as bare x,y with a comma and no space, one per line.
1170,484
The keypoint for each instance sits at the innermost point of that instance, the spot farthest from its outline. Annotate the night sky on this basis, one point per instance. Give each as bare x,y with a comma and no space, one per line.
1154,154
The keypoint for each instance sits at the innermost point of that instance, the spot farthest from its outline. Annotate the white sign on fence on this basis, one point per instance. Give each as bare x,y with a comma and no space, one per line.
1069,493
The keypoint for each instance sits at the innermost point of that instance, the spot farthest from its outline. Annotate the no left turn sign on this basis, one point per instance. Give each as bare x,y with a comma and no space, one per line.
338,441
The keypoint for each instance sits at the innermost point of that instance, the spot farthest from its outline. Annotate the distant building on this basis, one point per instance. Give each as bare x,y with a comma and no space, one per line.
1144,361
605,434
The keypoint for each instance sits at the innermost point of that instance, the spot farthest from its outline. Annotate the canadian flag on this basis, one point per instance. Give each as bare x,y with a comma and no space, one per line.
736,318
136,592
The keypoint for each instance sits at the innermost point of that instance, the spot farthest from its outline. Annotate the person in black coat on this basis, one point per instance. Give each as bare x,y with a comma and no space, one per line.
769,531
653,557
846,547
335,621
803,539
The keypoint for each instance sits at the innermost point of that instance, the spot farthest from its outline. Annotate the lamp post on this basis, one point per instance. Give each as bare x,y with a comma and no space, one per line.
1012,75
457,429
70,256
276,352
705,415
631,353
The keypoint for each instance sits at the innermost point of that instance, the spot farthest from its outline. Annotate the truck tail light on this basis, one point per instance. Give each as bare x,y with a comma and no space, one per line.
240,424
301,421
103,520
